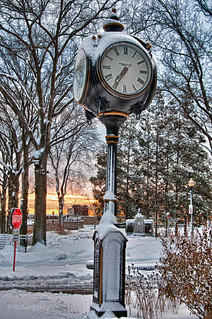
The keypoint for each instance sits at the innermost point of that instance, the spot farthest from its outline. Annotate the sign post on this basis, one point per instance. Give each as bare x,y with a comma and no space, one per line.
16,221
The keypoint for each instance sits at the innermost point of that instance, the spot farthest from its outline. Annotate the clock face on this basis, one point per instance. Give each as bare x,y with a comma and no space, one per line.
81,76
125,70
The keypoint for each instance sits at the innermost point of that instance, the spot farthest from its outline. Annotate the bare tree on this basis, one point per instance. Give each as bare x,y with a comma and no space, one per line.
180,32
13,73
66,155
4,185
40,35
11,159
205,7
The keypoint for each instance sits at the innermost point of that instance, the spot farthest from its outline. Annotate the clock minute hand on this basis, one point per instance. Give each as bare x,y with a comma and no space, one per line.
120,76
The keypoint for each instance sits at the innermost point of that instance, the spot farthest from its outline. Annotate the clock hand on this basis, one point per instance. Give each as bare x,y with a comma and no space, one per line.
120,76
125,64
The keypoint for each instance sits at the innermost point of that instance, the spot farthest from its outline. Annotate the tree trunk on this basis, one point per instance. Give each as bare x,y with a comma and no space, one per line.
147,178
25,191
128,172
177,177
39,234
3,211
3,204
13,190
156,185
167,206
61,205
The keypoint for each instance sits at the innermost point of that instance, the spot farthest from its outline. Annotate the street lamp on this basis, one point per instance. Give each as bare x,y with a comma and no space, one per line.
191,184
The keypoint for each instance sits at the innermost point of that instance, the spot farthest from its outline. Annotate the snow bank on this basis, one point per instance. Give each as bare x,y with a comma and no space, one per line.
63,262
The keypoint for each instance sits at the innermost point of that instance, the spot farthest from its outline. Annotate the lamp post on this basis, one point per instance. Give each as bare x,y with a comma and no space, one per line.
167,223
191,184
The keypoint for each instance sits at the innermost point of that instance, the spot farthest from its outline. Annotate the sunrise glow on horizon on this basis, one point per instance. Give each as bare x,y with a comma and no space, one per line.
53,204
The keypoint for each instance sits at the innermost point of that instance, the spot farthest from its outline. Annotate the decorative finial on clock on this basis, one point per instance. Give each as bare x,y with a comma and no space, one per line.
113,24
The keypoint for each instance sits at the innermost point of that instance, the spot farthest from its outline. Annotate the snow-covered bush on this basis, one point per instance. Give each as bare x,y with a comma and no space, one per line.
186,270
143,297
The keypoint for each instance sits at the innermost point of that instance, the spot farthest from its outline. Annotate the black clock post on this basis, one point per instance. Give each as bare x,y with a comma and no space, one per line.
115,76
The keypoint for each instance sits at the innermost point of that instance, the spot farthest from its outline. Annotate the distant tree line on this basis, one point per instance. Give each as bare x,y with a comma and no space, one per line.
157,155
172,142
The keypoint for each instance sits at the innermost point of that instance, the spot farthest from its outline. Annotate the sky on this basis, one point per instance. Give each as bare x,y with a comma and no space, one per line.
52,202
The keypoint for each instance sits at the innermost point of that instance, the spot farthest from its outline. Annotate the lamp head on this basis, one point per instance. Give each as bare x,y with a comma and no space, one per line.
191,183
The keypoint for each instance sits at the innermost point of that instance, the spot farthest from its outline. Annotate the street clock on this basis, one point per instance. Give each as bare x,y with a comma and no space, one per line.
114,72
115,76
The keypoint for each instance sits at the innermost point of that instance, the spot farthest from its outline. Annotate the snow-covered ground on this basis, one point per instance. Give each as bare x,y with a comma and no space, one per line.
61,265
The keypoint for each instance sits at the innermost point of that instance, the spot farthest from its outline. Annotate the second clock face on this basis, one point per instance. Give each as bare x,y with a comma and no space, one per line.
81,76
125,69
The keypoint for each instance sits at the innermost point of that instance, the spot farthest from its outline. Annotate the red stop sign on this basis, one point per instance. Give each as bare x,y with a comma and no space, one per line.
16,218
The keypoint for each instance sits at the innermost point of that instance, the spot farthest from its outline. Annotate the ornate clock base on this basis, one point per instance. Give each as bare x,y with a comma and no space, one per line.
109,269
118,310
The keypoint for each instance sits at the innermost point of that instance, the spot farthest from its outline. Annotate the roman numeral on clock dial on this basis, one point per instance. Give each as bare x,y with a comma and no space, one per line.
107,67
125,50
124,89
143,71
108,76
140,81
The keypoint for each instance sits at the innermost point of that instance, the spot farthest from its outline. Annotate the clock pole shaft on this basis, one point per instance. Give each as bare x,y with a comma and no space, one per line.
109,240
112,122
111,182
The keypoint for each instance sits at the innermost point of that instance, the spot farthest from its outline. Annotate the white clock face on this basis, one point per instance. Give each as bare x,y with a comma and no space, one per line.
80,76
125,69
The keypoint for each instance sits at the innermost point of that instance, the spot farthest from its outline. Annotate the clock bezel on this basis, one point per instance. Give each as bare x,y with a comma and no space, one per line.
104,83
86,78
